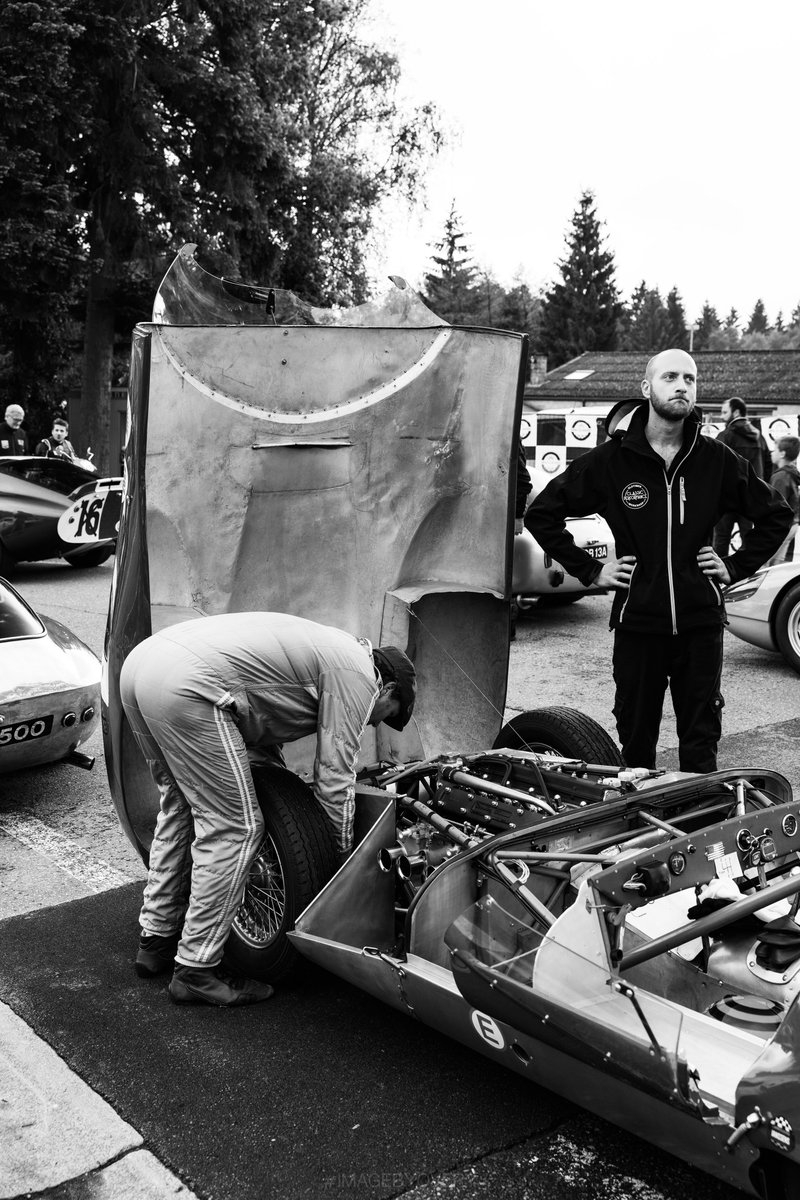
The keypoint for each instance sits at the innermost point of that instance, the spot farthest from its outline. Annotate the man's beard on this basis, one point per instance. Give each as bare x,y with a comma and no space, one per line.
668,409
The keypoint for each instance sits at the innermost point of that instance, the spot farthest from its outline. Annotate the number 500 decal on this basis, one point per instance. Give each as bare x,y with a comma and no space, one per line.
25,731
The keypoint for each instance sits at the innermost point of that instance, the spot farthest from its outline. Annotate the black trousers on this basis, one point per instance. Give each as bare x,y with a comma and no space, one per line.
691,665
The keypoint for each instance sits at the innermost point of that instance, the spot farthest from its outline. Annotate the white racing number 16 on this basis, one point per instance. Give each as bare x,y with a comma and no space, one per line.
89,515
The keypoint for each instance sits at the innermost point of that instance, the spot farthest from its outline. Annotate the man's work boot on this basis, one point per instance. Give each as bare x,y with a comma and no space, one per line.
156,954
214,985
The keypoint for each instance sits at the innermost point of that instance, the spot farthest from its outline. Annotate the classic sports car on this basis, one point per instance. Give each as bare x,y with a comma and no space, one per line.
764,610
49,688
537,579
51,508
625,938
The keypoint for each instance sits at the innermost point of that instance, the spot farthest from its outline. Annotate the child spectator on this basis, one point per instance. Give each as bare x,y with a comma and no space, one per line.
785,479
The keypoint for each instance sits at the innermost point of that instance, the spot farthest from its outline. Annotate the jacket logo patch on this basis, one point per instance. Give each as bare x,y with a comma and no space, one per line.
635,495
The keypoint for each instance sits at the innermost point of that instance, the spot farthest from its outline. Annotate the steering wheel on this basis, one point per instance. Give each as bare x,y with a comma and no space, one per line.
713,922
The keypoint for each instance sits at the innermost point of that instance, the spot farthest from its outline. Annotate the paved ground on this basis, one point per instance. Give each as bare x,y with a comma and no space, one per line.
106,1090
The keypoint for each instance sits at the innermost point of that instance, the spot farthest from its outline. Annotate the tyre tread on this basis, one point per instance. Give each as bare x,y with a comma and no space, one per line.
571,732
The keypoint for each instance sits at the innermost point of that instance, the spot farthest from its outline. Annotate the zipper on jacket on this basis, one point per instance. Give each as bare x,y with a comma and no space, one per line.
670,579
682,496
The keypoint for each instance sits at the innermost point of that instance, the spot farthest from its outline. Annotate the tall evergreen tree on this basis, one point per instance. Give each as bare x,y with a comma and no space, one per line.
581,311
629,316
758,322
709,321
677,335
451,291
647,322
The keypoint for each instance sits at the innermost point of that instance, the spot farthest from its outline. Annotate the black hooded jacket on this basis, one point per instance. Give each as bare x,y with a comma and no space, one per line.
743,437
662,516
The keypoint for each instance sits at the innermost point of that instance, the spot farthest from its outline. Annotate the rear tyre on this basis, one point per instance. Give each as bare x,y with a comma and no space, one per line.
564,731
296,859
787,627
7,563
92,558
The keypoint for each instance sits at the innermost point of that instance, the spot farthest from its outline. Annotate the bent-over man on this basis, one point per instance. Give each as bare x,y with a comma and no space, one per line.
199,696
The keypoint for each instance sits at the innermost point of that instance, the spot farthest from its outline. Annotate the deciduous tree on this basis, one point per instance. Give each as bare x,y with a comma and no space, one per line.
264,130
39,248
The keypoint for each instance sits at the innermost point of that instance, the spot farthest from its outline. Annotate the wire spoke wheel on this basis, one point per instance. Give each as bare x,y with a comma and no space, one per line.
260,916
293,863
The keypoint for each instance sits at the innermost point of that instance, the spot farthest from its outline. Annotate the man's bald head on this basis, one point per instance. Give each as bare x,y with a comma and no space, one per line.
656,362
670,384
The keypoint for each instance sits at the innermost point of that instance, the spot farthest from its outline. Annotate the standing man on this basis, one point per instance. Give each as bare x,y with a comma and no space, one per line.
57,445
743,437
199,696
13,439
662,486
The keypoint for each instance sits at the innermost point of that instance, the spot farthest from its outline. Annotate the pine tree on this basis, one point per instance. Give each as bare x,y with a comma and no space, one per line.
709,321
758,322
582,311
677,335
452,292
647,321
629,316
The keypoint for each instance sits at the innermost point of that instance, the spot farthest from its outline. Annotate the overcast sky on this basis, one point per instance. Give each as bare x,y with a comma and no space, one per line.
681,117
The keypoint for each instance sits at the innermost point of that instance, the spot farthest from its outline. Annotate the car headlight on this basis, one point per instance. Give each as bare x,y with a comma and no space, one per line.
744,589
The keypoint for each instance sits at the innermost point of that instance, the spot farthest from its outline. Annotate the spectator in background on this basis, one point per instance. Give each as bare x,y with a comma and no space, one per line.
523,490
57,445
743,437
13,439
785,479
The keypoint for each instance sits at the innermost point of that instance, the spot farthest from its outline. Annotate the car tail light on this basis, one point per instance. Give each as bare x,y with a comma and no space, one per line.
69,719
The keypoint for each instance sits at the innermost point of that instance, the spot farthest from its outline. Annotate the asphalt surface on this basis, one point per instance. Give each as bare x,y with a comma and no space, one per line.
323,1090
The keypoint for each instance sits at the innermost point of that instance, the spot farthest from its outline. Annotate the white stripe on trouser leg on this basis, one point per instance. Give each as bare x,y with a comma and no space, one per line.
250,823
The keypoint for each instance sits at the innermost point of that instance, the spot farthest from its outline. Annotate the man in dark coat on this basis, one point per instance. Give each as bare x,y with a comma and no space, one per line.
743,437
661,486
13,438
